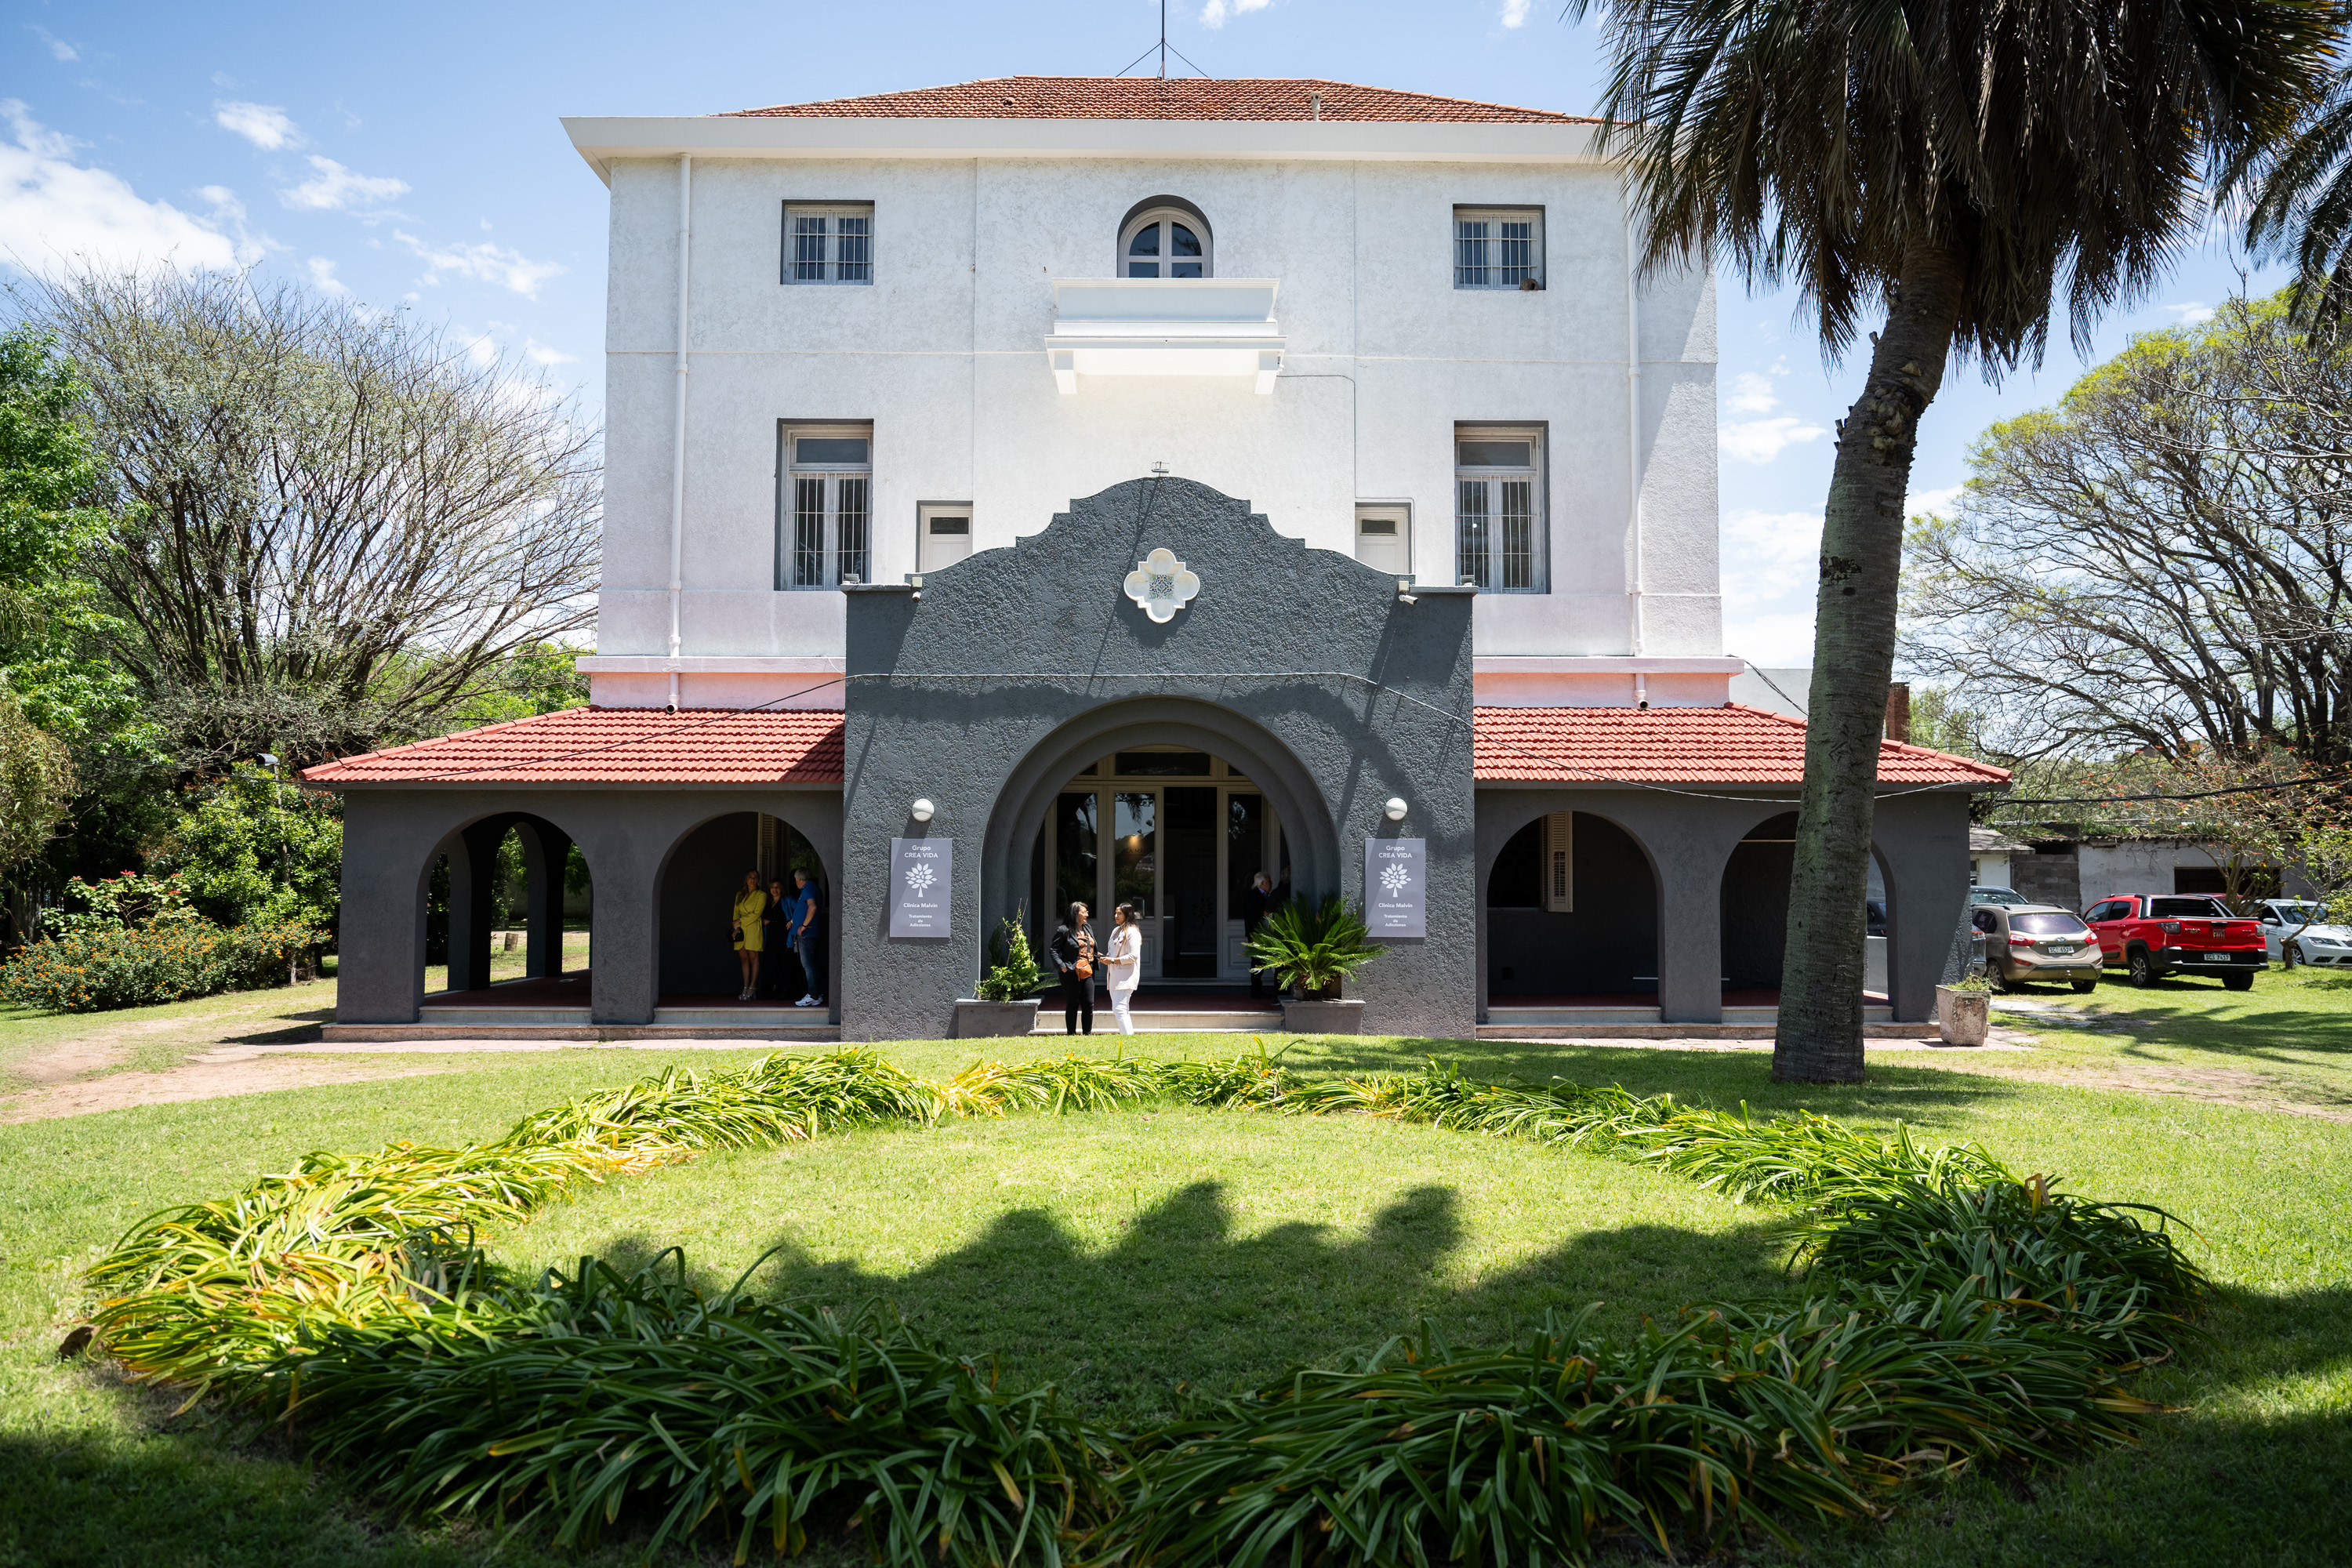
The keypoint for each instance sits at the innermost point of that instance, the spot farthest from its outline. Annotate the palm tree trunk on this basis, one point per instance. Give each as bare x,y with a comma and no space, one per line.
1820,1034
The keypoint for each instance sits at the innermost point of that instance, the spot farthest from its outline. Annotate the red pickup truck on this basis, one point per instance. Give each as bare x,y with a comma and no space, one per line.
2154,934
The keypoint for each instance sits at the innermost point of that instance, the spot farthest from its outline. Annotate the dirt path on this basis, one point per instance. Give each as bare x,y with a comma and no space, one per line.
204,1079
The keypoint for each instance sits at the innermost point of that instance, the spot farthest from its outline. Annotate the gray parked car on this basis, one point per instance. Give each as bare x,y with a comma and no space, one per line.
1994,896
2297,931
2028,942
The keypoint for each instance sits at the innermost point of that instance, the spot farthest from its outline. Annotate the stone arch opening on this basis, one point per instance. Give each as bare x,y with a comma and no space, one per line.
1167,802
1571,905
694,903
1755,921
507,905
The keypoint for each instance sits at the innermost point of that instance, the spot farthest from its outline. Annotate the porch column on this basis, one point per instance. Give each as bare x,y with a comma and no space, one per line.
545,853
380,935
473,868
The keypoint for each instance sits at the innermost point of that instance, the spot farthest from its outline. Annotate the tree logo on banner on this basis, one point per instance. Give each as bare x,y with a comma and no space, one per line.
1393,878
1161,585
919,878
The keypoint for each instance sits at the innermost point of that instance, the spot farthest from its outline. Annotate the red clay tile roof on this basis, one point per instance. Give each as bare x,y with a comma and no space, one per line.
614,745
1731,745
1150,97
1726,745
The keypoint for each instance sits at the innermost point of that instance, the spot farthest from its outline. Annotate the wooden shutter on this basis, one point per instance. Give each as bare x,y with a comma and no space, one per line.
1559,863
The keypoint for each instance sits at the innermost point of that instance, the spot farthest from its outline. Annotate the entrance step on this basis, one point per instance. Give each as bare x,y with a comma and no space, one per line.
434,1028
1170,1021
1524,1016
1772,1014
469,1018
1730,1029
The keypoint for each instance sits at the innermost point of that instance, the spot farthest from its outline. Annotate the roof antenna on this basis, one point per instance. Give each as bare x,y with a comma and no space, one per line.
1163,49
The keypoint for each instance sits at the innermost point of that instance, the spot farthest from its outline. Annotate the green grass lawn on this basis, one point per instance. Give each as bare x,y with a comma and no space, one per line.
1123,1254
155,1039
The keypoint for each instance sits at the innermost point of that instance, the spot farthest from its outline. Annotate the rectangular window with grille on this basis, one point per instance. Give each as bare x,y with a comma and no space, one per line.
1498,248
824,536
832,242
1498,487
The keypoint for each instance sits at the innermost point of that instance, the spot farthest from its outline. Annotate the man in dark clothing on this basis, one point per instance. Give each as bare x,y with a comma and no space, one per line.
1257,904
808,938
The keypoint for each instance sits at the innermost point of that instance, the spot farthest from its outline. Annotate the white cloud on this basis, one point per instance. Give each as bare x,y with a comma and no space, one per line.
1515,13
57,46
1770,564
1780,641
54,212
2192,312
1761,440
263,124
1751,393
324,279
1940,503
539,353
486,262
334,188
1215,12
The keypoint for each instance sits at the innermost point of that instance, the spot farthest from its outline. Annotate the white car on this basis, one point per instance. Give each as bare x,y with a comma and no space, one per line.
2296,931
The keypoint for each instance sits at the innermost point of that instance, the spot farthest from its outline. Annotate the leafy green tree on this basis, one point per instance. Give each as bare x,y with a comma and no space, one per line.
253,848
1951,163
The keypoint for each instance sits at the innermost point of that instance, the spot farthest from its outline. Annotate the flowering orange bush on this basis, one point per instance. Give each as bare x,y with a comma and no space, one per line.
99,967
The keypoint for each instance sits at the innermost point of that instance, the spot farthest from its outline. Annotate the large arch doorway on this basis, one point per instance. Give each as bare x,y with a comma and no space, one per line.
698,969
1571,915
508,906
1755,926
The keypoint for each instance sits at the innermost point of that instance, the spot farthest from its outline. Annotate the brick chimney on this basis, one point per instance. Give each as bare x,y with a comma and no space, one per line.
1898,710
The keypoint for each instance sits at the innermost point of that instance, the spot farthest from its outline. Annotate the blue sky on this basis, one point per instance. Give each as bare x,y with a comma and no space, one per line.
412,154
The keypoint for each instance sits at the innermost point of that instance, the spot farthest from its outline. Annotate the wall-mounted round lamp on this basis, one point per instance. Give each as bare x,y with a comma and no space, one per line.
1396,808
921,811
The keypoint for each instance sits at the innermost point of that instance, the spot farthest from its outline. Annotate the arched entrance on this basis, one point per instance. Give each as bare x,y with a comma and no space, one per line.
1754,928
507,907
696,968
1172,805
1572,921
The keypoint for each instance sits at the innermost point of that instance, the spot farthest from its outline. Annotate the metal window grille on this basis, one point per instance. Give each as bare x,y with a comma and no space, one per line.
1516,527
1471,550
854,250
1470,243
828,246
1497,250
850,529
808,533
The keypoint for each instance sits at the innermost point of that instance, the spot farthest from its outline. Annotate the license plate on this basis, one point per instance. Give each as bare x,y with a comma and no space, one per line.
2221,958
2060,949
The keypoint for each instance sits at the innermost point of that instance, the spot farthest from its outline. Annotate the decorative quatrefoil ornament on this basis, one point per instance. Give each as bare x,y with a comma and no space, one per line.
1161,585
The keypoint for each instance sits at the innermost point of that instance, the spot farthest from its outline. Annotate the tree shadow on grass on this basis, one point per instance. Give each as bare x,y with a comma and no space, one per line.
1183,1300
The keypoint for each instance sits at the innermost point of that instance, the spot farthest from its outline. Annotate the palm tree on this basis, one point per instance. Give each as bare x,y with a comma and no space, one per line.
1954,163
2302,205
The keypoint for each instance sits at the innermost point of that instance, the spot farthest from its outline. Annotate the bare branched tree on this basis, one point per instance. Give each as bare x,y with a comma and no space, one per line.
2163,560
334,524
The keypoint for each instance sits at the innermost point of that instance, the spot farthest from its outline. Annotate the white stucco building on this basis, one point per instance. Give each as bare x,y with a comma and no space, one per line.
907,395
971,280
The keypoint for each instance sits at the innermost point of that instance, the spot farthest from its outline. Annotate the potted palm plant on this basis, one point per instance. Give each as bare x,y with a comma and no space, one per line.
1007,1003
1312,951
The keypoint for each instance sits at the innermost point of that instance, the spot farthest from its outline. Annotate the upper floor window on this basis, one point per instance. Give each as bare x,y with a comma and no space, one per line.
832,242
1498,489
1164,242
825,537
1498,248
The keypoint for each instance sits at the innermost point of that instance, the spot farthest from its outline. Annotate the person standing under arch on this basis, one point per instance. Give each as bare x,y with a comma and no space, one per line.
1073,948
1125,962
808,937
751,904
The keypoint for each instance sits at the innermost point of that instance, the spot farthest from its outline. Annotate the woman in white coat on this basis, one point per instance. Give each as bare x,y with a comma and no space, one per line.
1125,962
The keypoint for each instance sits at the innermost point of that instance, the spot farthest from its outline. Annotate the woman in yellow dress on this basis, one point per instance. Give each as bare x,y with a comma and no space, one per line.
749,905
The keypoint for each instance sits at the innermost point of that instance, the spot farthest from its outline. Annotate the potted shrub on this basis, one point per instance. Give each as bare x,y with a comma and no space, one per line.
1007,1003
1964,1010
1312,951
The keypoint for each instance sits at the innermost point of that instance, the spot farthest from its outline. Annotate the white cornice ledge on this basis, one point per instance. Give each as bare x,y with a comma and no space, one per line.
711,664
602,139
1601,664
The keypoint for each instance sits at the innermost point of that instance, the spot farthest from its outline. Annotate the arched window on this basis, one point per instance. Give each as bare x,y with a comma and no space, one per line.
1164,241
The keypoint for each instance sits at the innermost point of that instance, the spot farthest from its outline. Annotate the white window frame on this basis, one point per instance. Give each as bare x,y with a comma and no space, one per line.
934,552
1399,516
1483,535
1161,216
825,513
835,257
1493,259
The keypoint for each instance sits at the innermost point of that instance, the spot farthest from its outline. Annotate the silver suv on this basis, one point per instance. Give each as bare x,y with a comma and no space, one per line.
2031,942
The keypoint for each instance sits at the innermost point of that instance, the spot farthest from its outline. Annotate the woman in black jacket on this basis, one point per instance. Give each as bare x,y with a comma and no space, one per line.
1073,954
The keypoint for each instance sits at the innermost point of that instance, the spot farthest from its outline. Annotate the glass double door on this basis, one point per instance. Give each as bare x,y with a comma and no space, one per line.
1181,854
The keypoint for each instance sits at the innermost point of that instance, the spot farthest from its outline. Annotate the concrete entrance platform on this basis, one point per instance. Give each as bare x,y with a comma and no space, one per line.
556,1009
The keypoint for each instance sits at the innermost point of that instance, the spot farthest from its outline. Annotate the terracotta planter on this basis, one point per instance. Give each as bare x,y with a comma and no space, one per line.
1322,1017
1962,1016
980,1020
